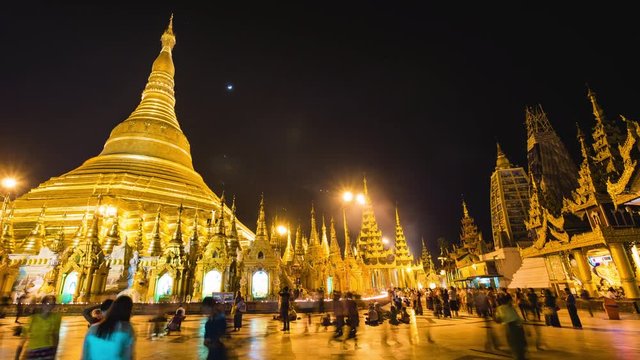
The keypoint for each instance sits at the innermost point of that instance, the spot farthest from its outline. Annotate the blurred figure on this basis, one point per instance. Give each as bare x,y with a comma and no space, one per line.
570,300
393,316
94,314
285,297
550,309
338,313
454,301
175,323
214,329
42,334
586,299
353,317
158,321
483,311
534,305
506,314
113,337
240,308
405,318
521,301
20,307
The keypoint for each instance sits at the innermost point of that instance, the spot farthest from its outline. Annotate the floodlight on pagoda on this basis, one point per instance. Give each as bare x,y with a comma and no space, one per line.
281,229
442,272
347,196
385,240
360,199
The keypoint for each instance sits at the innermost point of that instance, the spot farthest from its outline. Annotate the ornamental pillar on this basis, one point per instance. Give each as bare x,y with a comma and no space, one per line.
627,277
584,271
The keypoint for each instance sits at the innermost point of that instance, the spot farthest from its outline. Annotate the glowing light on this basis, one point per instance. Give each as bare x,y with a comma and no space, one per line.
442,272
108,210
282,229
385,240
361,199
409,269
432,286
347,196
9,183
229,87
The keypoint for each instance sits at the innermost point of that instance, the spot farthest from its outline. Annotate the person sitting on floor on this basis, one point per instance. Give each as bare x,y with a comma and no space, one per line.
372,316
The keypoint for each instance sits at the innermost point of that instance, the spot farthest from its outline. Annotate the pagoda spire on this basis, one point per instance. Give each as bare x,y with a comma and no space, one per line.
501,162
403,256
299,248
140,236
193,243
155,245
152,129
369,243
606,140
221,227
325,242
470,238
176,239
334,247
82,229
232,240
7,239
33,243
348,251
314,237
112,239
287,255
261,231
427,262
91,242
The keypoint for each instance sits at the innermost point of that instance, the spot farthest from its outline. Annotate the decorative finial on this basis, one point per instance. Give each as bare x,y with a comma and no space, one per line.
464,209
168,39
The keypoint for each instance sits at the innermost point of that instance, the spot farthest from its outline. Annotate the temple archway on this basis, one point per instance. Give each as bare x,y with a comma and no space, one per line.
260,285
164,286
69,287
211,283
329,285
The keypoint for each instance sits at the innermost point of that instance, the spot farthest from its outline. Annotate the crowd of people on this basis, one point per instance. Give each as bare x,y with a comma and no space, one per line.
111,336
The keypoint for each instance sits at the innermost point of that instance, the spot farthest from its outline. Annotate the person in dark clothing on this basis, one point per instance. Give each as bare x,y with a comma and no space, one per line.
550,309
285,298
393,316
521,301
572,309
321,301
353,315
339,313
534,306
94,314
214,329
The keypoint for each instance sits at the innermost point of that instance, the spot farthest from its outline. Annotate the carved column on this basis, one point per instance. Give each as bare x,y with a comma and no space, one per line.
627,277
584,271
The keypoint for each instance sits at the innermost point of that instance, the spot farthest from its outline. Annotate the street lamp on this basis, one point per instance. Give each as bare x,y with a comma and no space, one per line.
8,184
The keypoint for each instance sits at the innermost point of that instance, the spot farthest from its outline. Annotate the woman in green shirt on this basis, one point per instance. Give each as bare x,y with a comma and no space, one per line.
43,332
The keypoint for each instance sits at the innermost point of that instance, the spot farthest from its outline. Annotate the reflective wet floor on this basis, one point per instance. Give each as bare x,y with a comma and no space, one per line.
426,337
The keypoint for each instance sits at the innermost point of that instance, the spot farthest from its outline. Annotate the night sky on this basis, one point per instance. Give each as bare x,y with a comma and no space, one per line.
413,97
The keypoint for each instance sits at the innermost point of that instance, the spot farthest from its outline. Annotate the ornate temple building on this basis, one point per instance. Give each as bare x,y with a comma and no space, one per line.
591,240
138,219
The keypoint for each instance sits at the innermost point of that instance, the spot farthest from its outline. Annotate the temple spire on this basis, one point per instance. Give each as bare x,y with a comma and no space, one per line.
176,239
287,255
501,162
8,240
221,226
155,245
112,239
334,247
326,250
261,231
348,251
403,255
35,240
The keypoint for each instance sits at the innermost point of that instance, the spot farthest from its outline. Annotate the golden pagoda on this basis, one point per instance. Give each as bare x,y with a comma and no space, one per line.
134,188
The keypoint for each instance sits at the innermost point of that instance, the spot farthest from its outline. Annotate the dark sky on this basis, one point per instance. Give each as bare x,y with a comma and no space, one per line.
414,97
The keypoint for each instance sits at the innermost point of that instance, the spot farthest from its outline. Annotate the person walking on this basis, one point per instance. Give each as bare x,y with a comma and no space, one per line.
521,302
338,313
454,301
534,305
240,309
506,314
113,337
214,329
285,297
550,309
42,334
353,316
570,300
586,299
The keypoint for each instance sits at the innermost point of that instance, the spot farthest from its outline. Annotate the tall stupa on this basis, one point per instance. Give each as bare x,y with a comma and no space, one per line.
145,165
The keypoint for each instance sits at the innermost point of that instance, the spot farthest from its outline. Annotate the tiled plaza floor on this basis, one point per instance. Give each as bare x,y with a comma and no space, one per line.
461,338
